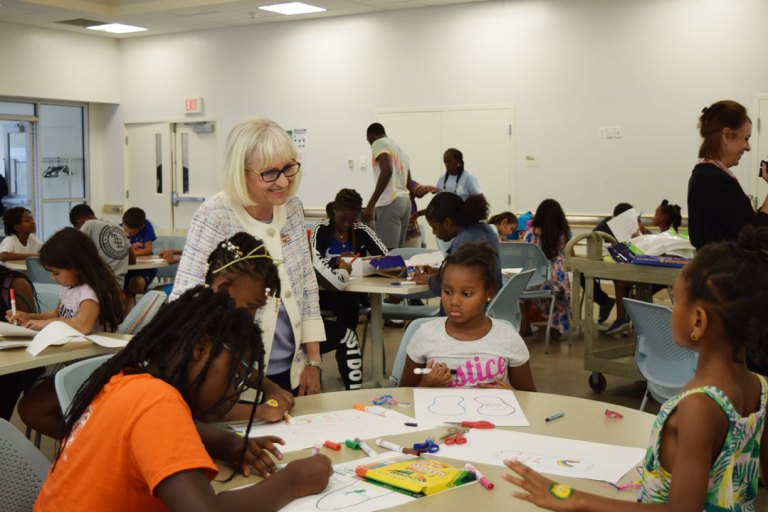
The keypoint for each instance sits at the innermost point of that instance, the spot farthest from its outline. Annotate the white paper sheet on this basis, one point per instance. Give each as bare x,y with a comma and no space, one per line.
435,406
625,226
348,493
511,271
551,455
8,344
336,426
60,333
15,331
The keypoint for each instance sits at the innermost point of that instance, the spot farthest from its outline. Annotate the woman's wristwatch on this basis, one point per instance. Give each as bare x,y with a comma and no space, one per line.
314,364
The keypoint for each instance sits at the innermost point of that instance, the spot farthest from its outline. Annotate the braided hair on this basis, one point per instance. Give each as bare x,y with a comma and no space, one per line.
670,215
258,266
731,280
459,157
69,248
163,349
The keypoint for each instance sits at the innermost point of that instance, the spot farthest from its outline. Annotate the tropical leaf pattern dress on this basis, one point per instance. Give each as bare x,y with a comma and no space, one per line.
733,477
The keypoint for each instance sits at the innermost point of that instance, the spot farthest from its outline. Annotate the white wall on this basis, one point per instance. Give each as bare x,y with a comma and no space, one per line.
53,64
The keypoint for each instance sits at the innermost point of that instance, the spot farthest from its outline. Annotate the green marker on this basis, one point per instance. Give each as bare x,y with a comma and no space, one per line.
352,444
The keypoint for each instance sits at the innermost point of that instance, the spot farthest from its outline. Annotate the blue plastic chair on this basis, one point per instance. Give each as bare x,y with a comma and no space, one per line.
506,304
399,364
665,366
163,242
47,295
37,273
23,470
69,379
142,312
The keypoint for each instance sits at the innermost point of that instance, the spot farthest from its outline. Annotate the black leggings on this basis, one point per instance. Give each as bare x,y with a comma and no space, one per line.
348,357
12,385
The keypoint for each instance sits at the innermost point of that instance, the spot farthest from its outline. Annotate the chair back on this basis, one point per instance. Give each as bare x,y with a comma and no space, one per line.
47,295
506,304
69,379
162,243
142,312
22,472
526,256
37,273
399,364
406,253
665,366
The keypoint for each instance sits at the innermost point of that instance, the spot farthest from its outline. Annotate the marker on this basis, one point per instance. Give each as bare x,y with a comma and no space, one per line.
480,477
357,255
352,444
13,304
410,424
373,409
289,419
367,449
332,445
316,448
424,371
403,283
396,447
554,417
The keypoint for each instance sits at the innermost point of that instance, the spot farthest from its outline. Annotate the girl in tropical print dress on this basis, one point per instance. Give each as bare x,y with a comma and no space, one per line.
551,232
708,444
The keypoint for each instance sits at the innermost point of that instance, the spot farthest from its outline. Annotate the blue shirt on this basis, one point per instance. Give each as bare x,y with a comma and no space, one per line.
144,235
479,232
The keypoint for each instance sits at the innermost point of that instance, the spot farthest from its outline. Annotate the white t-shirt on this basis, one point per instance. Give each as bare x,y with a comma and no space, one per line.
475,362
398,183
112,245
70,298
12,244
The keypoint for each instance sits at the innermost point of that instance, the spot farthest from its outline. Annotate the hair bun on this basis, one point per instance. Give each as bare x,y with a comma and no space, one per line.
754,240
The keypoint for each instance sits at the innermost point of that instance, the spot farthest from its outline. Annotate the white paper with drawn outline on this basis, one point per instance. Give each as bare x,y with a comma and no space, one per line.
435,406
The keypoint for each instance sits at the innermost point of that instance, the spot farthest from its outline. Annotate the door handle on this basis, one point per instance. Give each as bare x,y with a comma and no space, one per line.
176,199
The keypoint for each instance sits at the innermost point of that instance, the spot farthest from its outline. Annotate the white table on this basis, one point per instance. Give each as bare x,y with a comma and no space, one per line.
376,287
142,263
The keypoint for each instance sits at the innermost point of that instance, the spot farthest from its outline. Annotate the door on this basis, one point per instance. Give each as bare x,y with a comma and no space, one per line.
760,188
181,164
18,161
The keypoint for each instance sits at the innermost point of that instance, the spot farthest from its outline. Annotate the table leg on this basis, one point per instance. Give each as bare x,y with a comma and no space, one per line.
377,340
578,322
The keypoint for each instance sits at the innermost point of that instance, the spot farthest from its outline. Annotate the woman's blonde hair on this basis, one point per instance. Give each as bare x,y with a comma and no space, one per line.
260,142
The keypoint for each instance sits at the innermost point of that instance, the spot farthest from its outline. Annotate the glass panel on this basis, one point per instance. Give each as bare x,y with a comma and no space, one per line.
15,161
12,107
62,147
56,216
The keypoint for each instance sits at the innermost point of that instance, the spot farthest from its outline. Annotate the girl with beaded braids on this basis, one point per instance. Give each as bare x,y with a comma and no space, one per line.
131,427
709,443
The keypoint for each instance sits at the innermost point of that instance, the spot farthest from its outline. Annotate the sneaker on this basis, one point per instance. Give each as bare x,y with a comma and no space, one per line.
605,309
619,326
394,323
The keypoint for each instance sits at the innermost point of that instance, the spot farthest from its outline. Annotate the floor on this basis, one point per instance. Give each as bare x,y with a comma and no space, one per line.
561,371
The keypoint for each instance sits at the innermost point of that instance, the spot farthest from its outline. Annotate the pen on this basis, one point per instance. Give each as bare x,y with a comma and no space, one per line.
480,477
13,303
357,255
403,283
367,449
554,417
373,409
424,371
289,419
396,447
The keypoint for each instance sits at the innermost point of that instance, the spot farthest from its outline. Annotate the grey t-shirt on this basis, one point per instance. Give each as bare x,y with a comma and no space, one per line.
475,362
112,245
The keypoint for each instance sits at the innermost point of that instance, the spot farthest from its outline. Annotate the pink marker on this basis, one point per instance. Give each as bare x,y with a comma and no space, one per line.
480,477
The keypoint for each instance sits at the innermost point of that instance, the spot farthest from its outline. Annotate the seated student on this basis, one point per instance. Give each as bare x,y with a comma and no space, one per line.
709,445
343,235
110,240
457,221
504,223
551,232
89,301
141,235
13,384
468,348
19,242
130,441
667,216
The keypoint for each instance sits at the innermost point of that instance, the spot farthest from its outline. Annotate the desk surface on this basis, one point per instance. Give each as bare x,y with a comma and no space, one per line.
142,263
584,420
381,284
624,271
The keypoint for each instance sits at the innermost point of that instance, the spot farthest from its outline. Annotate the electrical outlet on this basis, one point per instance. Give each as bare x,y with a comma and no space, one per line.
602,132
609,132
363,163
351,163
617,132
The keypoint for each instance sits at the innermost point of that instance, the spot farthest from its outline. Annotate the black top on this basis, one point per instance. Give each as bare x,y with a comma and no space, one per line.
364,241
718,208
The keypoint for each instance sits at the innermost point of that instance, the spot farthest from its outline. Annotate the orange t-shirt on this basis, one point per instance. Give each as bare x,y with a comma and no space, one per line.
136,432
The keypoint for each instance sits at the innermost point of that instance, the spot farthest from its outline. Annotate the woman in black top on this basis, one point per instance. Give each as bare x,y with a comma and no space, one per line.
718,208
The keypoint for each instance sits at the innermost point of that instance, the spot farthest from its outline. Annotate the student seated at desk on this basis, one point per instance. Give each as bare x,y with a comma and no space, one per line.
89,301
141,235
709,444
130,441
20,242
468,348
504,223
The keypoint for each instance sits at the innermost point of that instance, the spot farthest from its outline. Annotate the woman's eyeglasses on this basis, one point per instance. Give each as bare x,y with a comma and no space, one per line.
241,380
271,175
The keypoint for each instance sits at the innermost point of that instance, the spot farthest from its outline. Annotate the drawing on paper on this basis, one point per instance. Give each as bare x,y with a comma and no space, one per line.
351,495
484,406
545,463
323,424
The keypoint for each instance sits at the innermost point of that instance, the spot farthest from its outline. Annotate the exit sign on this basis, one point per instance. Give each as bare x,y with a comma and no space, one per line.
193,105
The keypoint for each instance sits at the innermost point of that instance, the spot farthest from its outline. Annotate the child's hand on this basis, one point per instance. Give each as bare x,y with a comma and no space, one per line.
15,320
283,397
496,384
540,490
270,413
168,256
257,455
35,325
311,475
439,377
